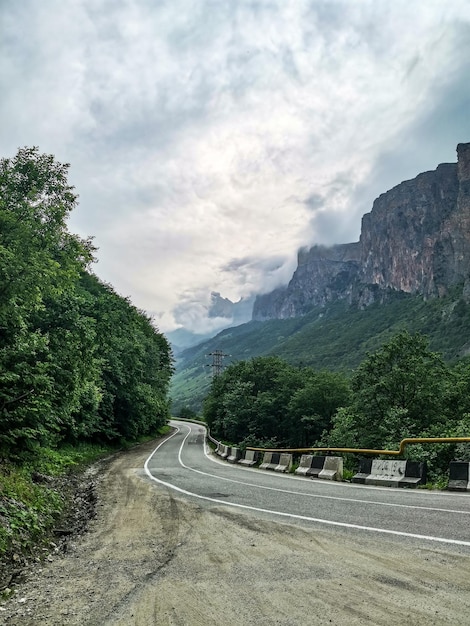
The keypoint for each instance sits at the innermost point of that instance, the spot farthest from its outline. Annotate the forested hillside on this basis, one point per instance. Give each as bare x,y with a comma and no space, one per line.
403,389
335,338
77,361
79,364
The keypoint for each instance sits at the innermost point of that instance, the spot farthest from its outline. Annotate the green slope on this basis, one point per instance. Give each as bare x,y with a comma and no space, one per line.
336,338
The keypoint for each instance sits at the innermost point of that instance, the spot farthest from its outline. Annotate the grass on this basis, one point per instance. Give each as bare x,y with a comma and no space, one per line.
27,511
31,499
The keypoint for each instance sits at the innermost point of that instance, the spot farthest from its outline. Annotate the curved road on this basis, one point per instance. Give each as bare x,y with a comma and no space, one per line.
183,463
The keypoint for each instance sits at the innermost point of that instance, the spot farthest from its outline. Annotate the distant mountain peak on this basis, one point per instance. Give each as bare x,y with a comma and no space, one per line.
239,312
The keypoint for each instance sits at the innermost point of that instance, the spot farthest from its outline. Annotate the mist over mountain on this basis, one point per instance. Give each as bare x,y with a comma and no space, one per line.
410,270
415,240
222,311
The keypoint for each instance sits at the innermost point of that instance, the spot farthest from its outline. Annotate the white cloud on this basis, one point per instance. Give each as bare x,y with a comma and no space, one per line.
198,133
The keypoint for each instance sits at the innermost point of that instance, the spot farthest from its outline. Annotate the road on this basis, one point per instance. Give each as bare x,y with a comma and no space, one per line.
199,542
184,464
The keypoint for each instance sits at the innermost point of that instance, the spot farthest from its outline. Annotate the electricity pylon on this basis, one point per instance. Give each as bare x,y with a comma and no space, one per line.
217,362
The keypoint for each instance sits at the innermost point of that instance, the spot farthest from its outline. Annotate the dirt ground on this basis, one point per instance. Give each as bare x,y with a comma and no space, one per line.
151,558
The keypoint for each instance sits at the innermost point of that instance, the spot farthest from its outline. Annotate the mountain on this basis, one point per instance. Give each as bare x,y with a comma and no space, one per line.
181,338
415,240
409,270
336,338
238,312
227,313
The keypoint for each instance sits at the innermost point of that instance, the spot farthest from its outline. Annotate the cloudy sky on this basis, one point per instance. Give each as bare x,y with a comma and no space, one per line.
210,139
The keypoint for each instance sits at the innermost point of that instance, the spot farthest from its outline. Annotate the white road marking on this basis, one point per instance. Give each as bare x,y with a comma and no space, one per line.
313,495
290,515
332,483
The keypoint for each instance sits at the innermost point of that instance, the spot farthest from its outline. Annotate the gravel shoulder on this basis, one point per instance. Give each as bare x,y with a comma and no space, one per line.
151,558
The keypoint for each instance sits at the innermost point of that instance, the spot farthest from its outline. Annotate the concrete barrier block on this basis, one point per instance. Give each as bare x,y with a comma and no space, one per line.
285,463
365,467
386,473
250,458
332,468
324,467
224,451
304,465
318,463
459,476
390,473
234,455
270,460
267,456
415,474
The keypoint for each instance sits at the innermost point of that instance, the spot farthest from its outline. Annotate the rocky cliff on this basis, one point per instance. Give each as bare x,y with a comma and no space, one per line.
238,312
416,239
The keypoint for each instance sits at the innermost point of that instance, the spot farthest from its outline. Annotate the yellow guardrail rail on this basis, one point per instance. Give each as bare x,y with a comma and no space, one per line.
403,443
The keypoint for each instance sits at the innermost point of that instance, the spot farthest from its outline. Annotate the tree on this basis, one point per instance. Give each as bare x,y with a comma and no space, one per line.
39,262
312,406
77,361
136,365
266,399
458,390
397,392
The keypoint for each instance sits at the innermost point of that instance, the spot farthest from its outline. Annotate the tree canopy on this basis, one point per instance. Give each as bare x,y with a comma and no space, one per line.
399,391
266,401
77,361
403,389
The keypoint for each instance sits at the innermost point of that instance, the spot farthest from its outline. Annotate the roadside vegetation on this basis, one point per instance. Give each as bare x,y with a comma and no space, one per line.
403,389
33,498
82,371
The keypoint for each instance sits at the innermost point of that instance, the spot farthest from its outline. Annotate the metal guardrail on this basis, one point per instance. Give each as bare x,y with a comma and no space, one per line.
403,443
408,441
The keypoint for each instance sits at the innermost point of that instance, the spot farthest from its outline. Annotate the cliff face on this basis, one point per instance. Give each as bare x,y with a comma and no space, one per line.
322,275
238,312
402,237
416,239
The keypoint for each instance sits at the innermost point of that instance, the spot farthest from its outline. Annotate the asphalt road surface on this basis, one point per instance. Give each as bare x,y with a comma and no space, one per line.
183,463
183,539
